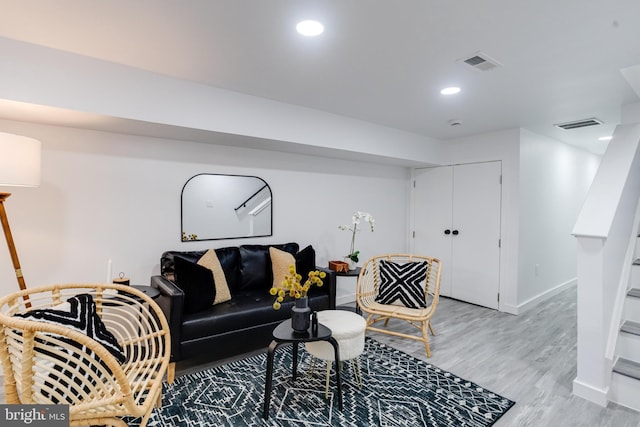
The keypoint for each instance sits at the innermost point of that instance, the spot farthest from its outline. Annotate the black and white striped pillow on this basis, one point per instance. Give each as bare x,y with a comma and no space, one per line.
78,313
402,284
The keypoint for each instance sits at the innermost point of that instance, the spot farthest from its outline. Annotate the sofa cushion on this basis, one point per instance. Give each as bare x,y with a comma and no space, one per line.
255,265
197,284
230,261
281,261
305,261
167,262
210,260
246,309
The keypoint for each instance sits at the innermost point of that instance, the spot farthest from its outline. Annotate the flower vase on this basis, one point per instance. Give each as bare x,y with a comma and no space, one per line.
352,264
301,315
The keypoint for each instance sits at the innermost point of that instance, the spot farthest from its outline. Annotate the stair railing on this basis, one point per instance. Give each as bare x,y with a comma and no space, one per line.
602,231
621,291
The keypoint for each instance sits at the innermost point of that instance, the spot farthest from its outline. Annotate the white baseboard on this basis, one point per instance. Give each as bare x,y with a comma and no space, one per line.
590,393
521,308
508,308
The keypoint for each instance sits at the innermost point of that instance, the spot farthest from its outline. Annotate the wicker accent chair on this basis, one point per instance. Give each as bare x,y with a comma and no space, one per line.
48,363
368,290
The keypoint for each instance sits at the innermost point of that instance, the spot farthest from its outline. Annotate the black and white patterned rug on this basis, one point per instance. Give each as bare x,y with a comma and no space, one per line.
398,390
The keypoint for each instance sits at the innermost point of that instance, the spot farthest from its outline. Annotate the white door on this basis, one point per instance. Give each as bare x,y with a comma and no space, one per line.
462,228
476,246
433,203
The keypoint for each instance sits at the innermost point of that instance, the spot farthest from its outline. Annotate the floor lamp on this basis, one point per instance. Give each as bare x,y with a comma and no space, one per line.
19,167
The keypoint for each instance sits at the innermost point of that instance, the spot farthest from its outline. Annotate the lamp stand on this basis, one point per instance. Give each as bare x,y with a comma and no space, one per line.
10,244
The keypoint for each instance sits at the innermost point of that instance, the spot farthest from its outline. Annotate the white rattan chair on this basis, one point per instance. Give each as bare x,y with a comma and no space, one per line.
45,363
368,288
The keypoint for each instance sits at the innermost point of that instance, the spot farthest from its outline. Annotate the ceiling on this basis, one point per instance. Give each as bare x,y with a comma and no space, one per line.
378,60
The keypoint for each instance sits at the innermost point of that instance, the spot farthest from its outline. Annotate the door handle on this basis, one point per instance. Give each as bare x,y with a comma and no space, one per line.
447,231
455,232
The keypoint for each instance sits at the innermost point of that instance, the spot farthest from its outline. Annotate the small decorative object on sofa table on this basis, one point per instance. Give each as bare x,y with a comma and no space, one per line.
122,279
339,266
352,257
292,286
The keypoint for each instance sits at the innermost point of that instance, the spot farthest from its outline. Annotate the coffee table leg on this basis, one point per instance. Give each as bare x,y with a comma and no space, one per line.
336,352
269,379
295,360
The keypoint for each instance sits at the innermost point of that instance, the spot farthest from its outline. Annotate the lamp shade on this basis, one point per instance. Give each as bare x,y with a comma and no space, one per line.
19,161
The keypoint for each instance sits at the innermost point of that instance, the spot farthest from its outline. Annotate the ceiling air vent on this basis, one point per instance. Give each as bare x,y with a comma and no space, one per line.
579,123
481,62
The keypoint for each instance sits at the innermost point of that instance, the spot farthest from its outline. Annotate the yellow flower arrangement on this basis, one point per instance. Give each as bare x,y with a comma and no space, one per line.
293,287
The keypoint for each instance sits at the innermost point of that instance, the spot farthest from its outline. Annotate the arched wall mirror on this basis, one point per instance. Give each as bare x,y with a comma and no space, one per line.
225,207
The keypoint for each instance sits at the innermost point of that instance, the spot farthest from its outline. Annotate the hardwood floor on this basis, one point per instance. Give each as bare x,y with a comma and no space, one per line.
530,358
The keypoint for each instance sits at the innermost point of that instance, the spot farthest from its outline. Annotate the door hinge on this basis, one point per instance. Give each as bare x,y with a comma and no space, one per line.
501,179
414,234
498,296
499,243
414,183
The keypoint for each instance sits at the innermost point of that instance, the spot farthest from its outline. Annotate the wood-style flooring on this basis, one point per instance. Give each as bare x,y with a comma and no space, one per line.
529,358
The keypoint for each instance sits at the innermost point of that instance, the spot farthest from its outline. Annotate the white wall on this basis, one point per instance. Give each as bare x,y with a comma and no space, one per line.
554,180
631,113
112,196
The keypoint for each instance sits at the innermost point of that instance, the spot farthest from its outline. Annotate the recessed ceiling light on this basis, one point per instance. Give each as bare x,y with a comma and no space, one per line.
310,28
451,90
605,138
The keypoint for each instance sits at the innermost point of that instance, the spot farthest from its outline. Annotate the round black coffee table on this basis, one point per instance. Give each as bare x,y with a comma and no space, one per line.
283,334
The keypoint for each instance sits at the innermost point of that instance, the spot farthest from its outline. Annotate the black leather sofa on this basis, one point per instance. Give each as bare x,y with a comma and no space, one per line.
243,323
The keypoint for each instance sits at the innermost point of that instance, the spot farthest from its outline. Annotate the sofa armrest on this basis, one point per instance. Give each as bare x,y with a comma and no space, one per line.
171,301
330,284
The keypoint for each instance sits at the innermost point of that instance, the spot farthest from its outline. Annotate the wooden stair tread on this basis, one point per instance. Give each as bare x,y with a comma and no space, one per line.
634,292
630,327
628,368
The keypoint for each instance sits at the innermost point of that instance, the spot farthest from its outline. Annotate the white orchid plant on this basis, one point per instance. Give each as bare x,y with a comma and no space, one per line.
354,228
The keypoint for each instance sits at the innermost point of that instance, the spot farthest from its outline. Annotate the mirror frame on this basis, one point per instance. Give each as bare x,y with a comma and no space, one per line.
195,238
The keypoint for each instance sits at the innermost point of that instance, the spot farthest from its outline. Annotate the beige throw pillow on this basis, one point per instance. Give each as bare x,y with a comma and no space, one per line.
211,261
280,262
